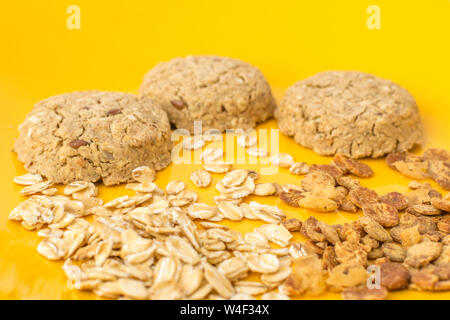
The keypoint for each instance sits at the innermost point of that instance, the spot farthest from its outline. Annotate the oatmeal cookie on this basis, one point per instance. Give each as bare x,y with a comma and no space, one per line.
92,136
351,113
224,93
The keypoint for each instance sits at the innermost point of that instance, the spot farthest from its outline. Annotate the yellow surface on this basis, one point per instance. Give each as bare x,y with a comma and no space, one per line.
289,40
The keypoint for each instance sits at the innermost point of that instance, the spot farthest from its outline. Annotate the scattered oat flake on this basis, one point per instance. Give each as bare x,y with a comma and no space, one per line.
257,152
175,187
143,174
299,168
201,178
28,179
36,188
265,189
193,143
284,160
231,211
247,140
217,167
212,154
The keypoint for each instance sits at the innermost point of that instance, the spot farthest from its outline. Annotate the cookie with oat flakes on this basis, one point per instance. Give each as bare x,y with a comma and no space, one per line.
223,93
93,136
352,113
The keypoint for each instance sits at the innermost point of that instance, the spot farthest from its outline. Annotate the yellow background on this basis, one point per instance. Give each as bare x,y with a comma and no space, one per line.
288,40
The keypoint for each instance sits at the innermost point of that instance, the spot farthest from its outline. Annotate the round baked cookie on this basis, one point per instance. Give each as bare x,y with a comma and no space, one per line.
224,93
92,136
351,113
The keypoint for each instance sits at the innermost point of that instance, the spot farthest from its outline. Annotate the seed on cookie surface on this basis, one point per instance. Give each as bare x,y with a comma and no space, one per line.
179,104
113,112
76,143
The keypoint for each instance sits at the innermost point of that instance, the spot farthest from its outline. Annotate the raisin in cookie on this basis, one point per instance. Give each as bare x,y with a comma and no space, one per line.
224,93
351,113
92,136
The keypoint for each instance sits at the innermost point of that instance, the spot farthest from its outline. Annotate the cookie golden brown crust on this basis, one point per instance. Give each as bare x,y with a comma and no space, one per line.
351,113
92,136
224,93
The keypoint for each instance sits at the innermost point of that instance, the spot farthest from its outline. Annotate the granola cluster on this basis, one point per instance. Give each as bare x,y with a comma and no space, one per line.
434,164
406,236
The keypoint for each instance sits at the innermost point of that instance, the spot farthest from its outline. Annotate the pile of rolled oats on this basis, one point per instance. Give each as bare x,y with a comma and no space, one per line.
163,244
148,247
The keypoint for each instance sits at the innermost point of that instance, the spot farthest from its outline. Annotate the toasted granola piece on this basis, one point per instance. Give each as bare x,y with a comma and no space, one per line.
351,253
374,229
375,253
348,182
364,293
441,204
346,276
418,196
443,224
431,278
415,170
436,154
370,242
434,236
292,224
348,206
383,213
394,157
394,276
317,179
439,171
321,204
352,232
394,251
444,258
332,170
395,199
311,230
329,232
329,260
307,276
355,167
424,209
423,280
426,224
423,253
363,196
395,233
291,196
410,236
